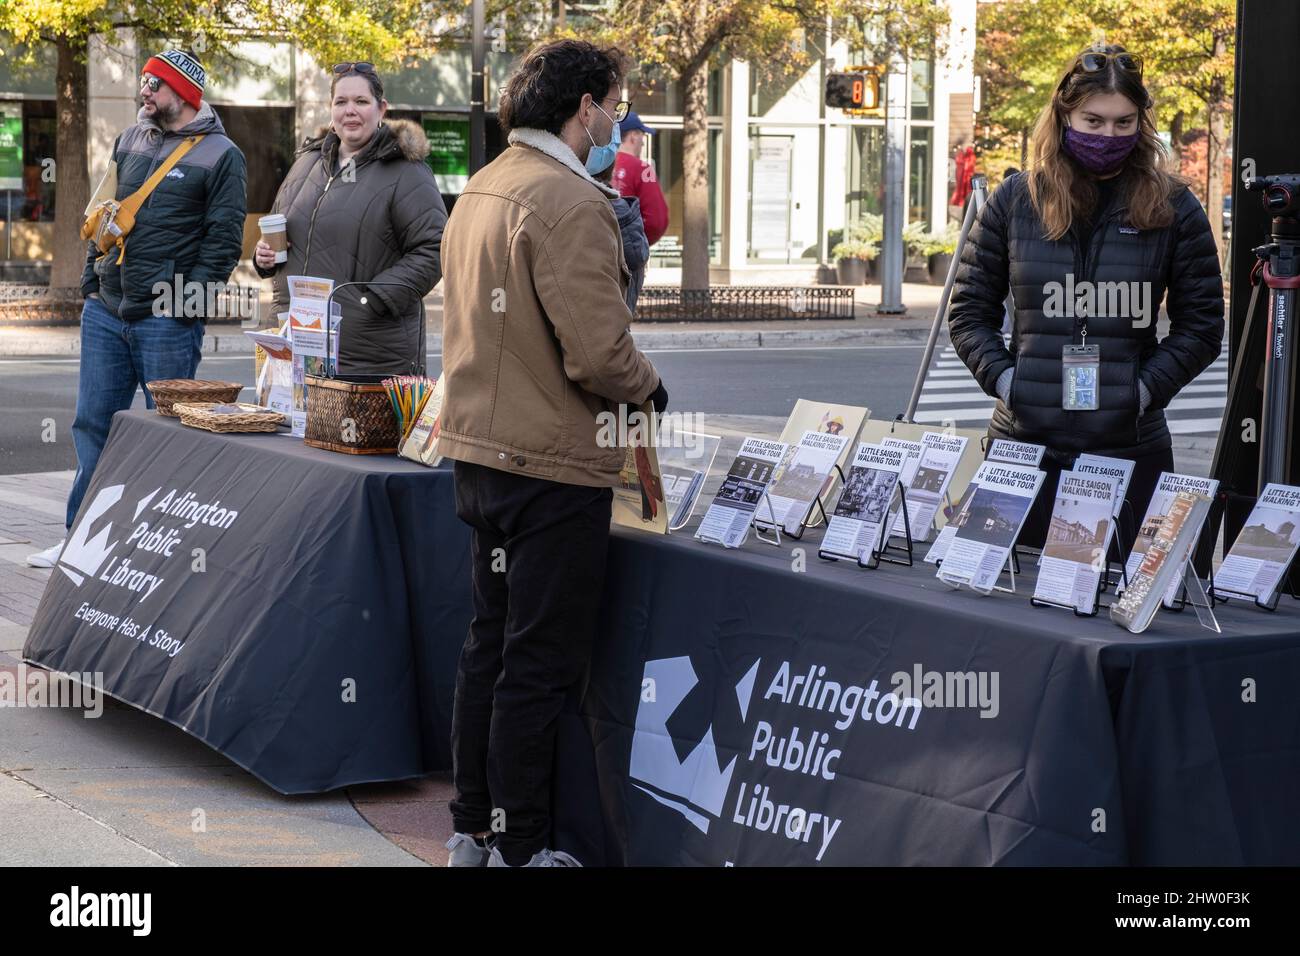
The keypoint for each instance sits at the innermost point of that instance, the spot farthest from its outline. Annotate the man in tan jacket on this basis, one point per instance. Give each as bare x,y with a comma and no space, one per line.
535,347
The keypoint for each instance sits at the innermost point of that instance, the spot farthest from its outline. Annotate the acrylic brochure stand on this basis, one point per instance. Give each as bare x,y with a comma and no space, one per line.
758,531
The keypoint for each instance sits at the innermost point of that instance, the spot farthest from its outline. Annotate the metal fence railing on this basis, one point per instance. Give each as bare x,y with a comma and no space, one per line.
744,303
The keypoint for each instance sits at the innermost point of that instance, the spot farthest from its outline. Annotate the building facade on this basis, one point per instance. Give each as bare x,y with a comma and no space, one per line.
786,173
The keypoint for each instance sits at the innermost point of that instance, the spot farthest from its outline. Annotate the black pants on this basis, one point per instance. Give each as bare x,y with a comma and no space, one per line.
1146,472
538,572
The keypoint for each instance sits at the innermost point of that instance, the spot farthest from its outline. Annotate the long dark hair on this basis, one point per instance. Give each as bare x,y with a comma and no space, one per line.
1058,188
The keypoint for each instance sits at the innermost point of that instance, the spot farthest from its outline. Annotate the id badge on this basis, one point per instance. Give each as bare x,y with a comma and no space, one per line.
1081,366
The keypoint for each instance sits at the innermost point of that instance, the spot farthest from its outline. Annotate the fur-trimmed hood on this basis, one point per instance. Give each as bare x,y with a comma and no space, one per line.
557,149
394,139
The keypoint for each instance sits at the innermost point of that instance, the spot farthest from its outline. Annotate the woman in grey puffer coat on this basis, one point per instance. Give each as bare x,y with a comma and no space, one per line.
362,206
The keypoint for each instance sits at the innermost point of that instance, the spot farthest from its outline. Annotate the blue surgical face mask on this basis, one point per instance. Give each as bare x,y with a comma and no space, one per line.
599,158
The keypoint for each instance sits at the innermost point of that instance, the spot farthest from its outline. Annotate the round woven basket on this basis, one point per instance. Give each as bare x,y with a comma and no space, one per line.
168,391
255,418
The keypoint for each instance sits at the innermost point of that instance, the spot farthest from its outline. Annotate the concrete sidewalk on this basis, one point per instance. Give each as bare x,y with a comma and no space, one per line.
865,328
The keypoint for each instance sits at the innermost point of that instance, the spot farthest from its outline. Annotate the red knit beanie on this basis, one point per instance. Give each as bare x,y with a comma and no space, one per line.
181,72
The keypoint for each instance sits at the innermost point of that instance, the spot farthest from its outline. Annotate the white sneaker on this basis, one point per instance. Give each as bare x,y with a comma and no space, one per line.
47,558
540,858
466,852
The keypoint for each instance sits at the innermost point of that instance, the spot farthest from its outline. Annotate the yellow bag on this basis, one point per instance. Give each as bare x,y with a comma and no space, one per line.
109,222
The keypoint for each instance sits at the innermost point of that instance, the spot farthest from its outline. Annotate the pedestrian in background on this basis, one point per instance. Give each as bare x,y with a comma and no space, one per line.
634,178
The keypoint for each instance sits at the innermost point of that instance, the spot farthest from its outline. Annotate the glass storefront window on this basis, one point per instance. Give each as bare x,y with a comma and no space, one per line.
865,188
265,135
651,94
664,150
920,176
921,89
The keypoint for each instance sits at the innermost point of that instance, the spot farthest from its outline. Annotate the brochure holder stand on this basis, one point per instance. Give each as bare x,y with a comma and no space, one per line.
1122,531
1186,593
1096,601
805,524
880,551
1193,593
883,552
686,519
1223,595
776,528
1011,567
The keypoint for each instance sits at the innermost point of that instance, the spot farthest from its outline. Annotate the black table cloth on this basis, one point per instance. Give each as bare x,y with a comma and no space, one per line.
1177,746
738,707
312,604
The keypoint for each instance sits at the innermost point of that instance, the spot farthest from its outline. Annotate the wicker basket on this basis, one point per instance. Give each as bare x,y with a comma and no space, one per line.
339,410
168,391
255,418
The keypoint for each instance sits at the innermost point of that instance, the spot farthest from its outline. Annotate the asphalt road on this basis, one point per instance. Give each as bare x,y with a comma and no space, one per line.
38,395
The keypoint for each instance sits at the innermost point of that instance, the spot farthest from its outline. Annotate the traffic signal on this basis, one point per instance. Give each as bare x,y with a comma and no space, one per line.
853,91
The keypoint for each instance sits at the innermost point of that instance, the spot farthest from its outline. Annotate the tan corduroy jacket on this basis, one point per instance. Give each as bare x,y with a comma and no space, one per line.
535,333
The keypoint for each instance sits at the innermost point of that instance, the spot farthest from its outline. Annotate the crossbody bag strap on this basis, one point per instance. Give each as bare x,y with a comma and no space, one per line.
133,202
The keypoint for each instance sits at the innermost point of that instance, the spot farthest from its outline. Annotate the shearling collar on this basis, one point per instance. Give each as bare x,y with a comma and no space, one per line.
557,149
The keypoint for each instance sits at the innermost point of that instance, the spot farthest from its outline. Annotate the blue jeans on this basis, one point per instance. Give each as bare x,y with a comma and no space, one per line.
118,357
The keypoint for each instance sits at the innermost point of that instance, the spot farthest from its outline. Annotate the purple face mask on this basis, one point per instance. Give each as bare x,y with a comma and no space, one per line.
1096,153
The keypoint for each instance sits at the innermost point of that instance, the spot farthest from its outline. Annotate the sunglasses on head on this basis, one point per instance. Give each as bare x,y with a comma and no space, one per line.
1096,62
361,66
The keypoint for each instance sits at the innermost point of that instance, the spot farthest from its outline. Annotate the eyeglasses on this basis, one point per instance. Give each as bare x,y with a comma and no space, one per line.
620,110
1096,62
360,66
150,81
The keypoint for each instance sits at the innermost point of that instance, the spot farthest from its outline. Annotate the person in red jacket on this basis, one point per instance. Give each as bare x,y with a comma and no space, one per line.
965,170
635,177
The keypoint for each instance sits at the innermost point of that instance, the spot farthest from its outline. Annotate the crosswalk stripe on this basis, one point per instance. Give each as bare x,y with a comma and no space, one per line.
1194,426
1179,404
941,414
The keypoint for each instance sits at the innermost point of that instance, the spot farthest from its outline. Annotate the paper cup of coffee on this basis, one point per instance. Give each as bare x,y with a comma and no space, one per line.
275,236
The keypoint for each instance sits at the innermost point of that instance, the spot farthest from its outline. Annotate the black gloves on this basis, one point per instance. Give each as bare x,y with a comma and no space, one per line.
659,397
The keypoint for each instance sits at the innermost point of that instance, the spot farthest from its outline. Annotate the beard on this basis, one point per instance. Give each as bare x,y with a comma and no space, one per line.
166,115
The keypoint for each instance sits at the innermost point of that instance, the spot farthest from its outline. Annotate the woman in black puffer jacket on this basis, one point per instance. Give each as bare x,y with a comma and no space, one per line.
1089,240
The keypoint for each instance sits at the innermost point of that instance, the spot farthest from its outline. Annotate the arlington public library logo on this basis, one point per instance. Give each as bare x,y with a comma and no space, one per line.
794,728
160,527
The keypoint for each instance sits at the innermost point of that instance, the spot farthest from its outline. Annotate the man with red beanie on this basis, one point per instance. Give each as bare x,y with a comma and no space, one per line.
189,229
